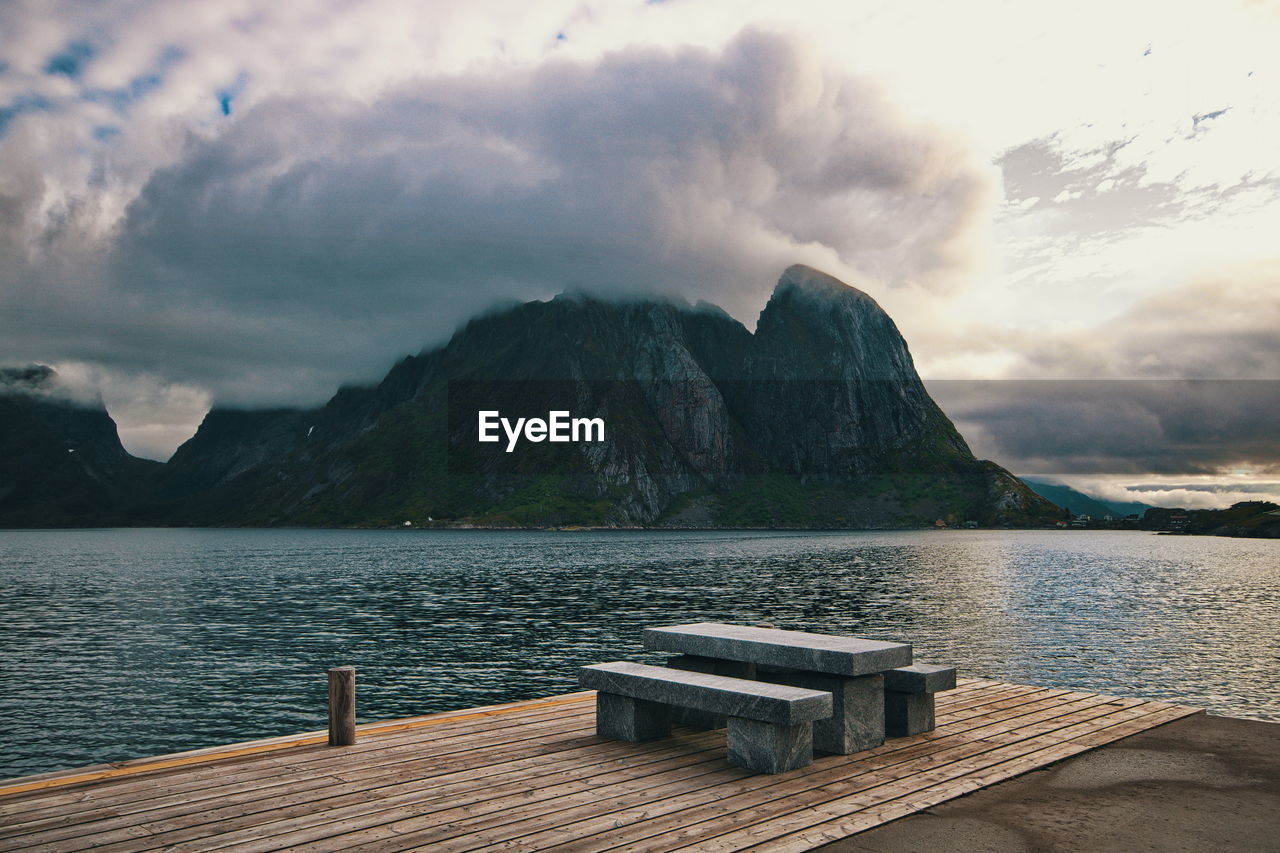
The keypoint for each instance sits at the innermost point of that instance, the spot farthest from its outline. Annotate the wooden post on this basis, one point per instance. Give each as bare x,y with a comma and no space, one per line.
342,706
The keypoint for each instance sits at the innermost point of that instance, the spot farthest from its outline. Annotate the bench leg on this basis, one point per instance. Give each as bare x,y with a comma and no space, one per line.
857,709
908,713
711,666
769,747
624,718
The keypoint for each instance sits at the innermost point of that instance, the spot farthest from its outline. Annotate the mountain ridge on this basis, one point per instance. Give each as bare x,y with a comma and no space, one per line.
818,418
1080,502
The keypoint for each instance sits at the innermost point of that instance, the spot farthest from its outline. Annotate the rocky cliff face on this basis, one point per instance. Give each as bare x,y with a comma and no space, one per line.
828,356
817,419
231,443
61,461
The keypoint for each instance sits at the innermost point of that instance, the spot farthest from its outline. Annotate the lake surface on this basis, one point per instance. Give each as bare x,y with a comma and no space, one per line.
124,643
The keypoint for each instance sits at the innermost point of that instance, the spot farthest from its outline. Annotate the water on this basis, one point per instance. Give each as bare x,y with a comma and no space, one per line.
126,643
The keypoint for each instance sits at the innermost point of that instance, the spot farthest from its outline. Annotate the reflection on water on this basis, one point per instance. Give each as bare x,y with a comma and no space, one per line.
120,643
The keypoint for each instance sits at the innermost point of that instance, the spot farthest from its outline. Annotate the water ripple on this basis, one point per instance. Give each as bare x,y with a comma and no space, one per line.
124,643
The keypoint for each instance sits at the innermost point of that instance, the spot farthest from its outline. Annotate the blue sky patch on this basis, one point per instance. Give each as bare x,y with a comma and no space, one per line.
1197,120
123,97
22,104
70,61
230,93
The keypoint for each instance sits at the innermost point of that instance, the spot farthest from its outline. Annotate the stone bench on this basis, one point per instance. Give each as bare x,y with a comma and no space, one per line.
908,697
770,726
849,668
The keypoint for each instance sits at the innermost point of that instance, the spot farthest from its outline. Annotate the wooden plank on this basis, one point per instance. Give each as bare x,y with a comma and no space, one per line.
450,820
416,794
901,752
586,821
42,781
259,802
467,756
532,775
967,685
968,745
697,817
315,760
12,790
1004,703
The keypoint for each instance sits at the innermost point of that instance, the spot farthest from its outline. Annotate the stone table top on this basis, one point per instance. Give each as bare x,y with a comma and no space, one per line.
849,656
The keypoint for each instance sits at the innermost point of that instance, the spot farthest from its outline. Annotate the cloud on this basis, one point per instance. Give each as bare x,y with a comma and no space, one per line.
316,239
1131,428
1207,324
1175,492
1221,326
153,415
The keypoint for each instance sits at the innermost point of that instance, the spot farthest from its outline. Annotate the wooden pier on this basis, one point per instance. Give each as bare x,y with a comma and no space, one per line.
533,776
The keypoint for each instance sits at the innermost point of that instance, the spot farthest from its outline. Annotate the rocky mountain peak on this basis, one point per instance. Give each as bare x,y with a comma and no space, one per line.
804,292
817,327
799,278
28,378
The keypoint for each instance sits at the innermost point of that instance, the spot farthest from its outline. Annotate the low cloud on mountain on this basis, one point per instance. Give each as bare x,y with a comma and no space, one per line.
317,239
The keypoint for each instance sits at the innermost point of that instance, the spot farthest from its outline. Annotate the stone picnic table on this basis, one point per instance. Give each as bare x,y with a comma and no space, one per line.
874,686
782,695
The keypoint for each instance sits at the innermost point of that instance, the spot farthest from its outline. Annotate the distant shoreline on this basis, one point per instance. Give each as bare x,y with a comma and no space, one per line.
498,528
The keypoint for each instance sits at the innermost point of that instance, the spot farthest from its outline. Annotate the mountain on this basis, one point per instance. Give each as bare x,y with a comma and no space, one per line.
827,356
61,461
1080,503
816,419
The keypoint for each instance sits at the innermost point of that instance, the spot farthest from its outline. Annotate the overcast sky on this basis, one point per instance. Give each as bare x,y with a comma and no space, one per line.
251,203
